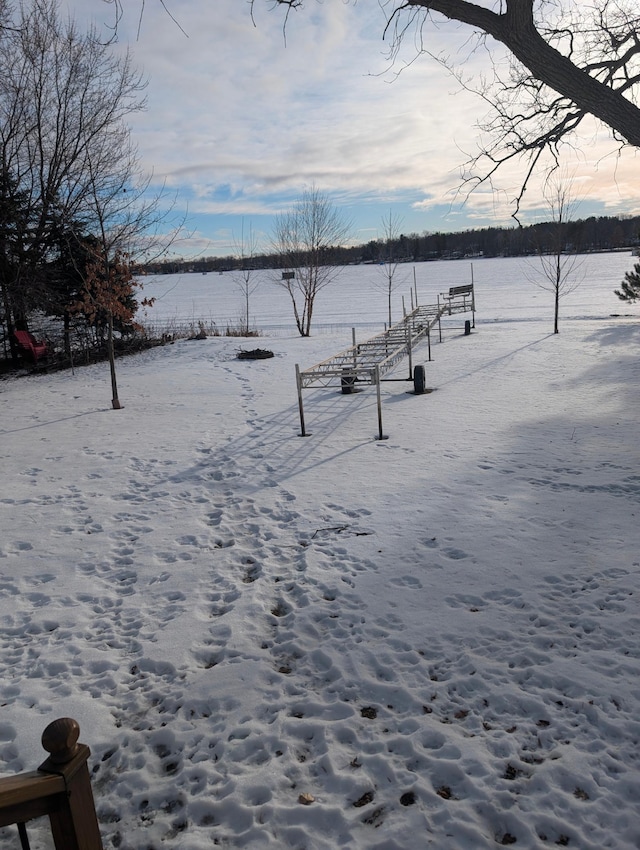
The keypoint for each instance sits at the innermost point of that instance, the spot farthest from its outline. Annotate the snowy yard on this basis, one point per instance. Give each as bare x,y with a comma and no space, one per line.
336,642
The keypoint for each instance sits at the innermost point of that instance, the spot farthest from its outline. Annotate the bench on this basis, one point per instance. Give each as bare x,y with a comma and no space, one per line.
455,291
29,345
460,299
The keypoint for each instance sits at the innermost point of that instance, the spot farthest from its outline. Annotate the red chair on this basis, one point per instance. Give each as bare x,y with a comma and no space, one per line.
29,345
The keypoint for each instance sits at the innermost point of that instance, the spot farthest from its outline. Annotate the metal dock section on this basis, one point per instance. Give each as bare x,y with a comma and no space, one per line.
366,363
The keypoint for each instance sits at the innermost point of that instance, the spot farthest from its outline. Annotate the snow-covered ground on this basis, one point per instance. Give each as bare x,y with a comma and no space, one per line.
435,638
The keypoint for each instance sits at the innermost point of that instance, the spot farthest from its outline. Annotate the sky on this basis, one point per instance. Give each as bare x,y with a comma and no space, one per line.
243,115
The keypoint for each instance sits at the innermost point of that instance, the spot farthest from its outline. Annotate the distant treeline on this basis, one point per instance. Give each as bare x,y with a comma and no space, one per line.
602,233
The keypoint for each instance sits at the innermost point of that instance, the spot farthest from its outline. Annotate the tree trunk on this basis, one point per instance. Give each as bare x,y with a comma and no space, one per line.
9,324
115,401
66,334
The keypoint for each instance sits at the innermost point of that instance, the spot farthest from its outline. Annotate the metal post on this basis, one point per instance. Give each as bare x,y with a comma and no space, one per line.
355,352
376,373
429,342
303,433
473,299
409,349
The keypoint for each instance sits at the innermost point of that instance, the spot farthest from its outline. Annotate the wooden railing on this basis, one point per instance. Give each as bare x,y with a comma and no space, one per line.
59,788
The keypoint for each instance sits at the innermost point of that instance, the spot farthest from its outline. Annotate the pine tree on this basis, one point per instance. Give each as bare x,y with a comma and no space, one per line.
630,291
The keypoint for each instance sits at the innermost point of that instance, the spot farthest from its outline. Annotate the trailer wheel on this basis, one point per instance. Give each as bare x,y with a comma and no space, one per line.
418,380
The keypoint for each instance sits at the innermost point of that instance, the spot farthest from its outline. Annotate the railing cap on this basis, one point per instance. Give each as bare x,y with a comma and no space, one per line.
60,739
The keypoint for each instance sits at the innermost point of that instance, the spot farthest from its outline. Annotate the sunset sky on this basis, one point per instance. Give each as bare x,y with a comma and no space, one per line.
242,115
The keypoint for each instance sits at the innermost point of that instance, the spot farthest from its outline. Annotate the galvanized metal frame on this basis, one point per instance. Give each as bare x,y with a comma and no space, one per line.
365,363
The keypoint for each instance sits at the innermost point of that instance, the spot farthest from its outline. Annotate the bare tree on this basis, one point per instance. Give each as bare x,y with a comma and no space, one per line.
64,100
559,271
389,263
122,222
70,168
245,277
302,239
107,298
569,60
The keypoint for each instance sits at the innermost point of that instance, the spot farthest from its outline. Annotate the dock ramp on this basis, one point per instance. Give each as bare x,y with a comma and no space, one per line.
366,363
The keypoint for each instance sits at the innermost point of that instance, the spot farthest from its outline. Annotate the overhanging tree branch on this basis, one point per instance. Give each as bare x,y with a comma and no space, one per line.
516,29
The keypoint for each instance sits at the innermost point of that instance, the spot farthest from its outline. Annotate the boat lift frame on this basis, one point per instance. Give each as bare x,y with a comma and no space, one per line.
365,363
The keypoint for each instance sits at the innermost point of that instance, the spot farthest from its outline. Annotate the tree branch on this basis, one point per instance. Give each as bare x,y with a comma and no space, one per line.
515,28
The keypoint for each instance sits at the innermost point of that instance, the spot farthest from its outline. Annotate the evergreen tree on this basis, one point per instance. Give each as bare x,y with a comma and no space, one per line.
630,291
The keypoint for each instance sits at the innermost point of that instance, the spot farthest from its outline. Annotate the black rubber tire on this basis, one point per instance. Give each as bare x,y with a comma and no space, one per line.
418,380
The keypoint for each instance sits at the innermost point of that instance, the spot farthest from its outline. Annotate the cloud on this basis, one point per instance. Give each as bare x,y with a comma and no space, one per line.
241,118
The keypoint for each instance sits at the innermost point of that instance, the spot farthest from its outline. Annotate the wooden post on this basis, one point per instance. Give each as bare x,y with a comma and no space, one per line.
60,788
74,824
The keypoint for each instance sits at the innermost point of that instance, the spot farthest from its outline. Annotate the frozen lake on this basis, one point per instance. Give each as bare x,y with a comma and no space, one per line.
504,292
